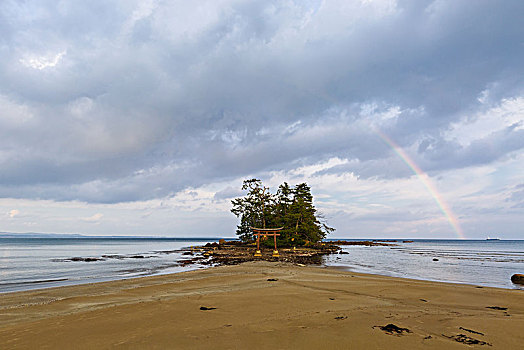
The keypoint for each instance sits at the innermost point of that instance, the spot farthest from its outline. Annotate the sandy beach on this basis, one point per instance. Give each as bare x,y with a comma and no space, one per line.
263,305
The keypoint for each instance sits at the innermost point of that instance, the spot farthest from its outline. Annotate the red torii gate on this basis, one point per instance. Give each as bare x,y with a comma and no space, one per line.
266,232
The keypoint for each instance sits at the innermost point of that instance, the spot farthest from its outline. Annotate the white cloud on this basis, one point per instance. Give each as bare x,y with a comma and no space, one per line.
143,10
14,114
93,218
508,113
42,62
81,106
13,213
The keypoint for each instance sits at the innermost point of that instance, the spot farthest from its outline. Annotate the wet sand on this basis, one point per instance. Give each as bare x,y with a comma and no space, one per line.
263,305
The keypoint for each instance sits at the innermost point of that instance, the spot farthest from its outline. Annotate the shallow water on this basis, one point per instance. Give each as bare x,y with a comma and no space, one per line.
30,263
482,263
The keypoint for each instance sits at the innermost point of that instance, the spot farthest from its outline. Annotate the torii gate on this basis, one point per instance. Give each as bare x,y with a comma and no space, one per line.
266,232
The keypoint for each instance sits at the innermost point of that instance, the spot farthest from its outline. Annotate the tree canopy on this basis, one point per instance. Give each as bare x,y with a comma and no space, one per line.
290,207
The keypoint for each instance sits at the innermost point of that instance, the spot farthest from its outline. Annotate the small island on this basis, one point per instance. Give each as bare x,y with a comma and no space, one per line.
291,212
290,208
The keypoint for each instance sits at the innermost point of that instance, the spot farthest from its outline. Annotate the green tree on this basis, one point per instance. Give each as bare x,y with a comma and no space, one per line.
254,209
290,208
306,226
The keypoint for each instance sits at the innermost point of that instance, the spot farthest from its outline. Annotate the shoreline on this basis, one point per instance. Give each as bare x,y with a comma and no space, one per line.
339,268
347,269
262,304
483,264
65,282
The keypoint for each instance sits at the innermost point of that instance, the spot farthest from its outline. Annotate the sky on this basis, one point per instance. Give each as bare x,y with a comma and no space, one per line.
127,117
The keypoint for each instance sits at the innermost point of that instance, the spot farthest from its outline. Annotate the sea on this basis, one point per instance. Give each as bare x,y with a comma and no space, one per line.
489,263
34,263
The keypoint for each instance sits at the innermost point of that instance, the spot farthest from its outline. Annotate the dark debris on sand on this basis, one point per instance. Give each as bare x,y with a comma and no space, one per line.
496,308
205,308
471,331
464,339
393,329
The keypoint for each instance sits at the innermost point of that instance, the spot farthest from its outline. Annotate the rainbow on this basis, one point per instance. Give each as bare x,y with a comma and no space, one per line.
424,178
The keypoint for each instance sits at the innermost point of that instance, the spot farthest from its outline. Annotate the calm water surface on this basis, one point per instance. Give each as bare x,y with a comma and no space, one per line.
30,263
483,263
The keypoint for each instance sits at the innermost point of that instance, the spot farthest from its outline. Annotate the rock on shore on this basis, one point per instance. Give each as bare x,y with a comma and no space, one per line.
517,278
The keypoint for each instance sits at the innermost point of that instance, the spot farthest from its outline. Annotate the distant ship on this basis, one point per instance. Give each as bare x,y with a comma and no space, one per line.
492,239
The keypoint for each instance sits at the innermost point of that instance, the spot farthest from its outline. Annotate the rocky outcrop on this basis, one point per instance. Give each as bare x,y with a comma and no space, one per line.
85,259
366,243
233,253
517,278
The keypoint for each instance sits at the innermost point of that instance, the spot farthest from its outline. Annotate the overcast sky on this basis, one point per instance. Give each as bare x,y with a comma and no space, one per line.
143,117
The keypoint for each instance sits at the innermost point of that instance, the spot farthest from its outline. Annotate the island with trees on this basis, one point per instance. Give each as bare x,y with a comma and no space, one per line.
290,211
290,208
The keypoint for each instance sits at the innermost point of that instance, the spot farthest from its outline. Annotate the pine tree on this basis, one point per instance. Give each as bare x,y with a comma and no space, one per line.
290,208
254,209
306,226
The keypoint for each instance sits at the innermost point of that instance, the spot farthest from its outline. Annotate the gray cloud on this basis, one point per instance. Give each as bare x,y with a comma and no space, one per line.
148,98
228,193
517,196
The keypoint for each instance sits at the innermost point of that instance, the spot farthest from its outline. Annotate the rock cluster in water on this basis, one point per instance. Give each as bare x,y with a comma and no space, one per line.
517,278
236,252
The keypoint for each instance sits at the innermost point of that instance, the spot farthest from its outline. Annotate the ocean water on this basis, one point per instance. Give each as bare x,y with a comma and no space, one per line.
31,263
477,262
